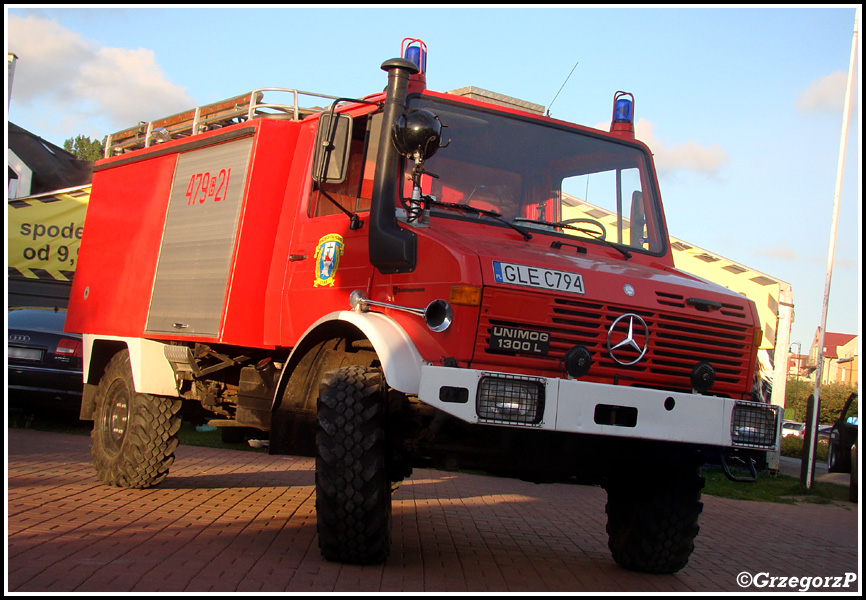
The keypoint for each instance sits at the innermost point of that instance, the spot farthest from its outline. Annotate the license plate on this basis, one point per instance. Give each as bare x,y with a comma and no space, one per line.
523,341
538,277
25,353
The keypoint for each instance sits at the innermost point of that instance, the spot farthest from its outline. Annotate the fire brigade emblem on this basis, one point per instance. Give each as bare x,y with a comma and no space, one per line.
328,254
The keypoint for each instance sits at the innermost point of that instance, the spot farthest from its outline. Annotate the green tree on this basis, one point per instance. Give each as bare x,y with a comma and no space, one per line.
833,397
84,148
797,392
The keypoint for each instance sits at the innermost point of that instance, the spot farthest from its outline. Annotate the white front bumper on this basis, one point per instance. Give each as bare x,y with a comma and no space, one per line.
581,407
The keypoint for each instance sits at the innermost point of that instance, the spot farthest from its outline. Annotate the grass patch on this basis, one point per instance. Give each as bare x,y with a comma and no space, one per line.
190,436
772,488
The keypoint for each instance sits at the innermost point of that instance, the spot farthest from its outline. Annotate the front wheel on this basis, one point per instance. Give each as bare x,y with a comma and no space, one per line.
653,517
134,435
353,489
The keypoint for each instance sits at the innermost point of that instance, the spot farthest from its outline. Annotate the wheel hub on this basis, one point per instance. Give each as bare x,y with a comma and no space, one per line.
117,416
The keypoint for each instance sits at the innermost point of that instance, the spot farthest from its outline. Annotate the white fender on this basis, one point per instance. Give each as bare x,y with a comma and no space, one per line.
400,360
151,371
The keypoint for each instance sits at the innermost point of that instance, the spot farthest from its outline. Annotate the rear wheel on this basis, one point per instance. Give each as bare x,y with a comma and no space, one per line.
353,491
653,517
134,435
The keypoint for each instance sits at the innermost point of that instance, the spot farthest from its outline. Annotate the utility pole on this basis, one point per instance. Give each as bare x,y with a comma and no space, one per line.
11,59
785,316
846,113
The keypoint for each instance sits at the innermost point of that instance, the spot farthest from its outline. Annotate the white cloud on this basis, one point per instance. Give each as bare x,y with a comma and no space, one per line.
687,156
77,81
778,253
824,95
790,255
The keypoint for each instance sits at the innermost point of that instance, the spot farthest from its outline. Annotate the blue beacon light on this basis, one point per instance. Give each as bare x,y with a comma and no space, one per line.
623,114
413,53
417,54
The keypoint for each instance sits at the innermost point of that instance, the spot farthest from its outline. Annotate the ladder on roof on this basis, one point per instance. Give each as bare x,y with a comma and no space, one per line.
211,116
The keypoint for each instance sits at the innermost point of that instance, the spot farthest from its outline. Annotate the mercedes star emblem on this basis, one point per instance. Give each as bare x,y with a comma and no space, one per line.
628,342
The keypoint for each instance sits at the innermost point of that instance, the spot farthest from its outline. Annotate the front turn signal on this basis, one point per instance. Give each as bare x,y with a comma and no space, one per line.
465,295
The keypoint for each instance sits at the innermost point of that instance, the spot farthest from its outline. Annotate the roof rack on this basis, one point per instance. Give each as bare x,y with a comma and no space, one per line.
211,116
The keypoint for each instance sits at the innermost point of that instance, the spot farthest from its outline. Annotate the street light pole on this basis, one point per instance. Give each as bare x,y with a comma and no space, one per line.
799,357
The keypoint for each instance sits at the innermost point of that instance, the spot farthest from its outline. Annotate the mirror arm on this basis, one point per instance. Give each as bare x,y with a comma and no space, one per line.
354,221
321,175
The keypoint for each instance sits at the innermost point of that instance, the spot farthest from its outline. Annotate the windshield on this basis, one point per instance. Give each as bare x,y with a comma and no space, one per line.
543,178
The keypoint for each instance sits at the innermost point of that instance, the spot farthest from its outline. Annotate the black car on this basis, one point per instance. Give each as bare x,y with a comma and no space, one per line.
843,435
43,359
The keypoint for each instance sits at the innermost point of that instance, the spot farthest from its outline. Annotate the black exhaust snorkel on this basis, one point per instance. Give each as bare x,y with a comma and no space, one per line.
393,249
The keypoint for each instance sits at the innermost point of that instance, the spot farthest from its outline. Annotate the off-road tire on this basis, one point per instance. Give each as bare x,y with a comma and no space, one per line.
134,435
353,490
652,519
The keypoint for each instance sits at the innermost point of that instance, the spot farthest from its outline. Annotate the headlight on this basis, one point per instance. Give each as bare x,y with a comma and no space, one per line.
754,424
510,400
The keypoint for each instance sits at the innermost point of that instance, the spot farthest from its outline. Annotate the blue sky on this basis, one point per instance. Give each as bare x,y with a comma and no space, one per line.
742,107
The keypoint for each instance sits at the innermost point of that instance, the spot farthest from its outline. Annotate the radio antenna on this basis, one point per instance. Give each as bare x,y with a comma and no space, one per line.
560,88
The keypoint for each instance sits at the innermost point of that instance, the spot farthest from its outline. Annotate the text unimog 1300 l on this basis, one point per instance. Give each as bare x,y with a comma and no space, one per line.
498,294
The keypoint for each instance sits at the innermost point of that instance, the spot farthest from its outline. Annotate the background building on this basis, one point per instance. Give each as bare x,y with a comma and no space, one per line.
47,194
841,361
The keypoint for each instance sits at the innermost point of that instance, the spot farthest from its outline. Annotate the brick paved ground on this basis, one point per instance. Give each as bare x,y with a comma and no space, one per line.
228,520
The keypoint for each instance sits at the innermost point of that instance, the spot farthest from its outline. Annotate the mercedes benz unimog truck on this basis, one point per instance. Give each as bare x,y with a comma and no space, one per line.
412,278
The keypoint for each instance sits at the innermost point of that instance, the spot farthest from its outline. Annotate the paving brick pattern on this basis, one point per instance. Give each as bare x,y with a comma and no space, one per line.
227,521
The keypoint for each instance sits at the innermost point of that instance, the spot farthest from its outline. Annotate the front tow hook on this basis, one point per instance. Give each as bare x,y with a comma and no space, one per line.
747,463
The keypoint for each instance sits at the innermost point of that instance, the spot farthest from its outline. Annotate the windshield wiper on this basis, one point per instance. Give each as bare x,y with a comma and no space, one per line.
622,249
563,225
480,211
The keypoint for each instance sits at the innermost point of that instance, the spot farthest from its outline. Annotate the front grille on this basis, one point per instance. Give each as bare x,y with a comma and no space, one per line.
678,339
678,301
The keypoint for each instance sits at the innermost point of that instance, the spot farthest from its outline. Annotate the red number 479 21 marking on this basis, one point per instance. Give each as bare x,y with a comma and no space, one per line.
203,186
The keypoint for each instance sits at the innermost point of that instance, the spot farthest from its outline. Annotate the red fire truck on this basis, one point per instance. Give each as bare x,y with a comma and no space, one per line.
412,278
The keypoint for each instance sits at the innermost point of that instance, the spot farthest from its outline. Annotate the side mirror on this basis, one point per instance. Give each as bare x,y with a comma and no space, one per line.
333,142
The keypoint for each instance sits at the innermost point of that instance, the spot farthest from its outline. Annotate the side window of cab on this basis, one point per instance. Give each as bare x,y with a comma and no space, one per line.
350,168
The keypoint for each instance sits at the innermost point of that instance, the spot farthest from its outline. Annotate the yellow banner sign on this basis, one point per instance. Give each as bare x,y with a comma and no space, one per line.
45,232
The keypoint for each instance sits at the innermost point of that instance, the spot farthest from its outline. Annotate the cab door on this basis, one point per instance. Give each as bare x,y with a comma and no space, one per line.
329,256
